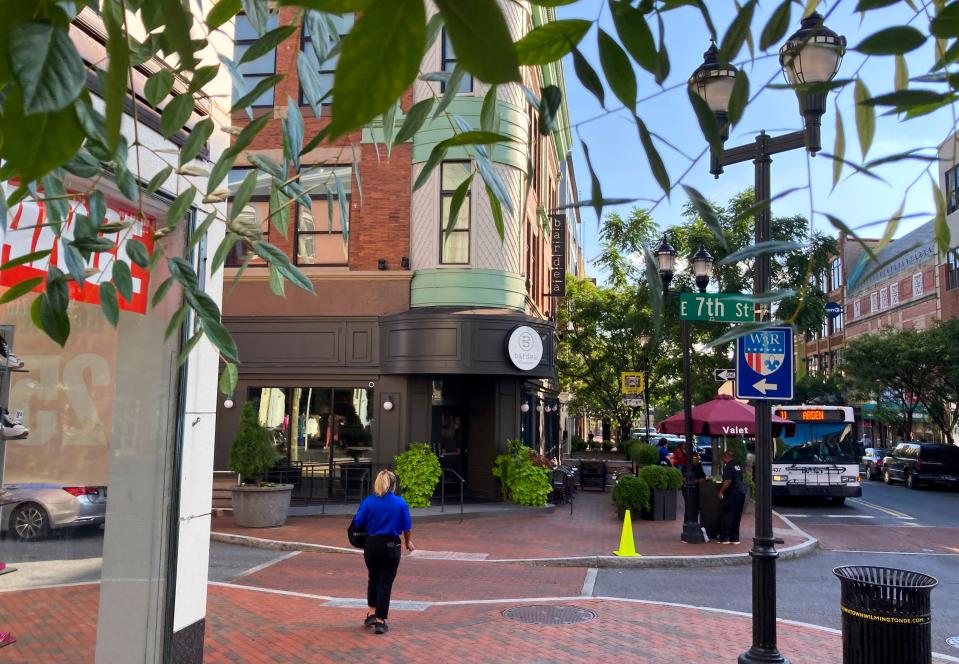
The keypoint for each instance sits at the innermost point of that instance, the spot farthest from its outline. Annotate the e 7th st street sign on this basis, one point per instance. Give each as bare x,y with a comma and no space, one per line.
721,307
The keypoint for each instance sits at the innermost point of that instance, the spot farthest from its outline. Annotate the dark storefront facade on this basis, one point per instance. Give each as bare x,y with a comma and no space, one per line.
354,392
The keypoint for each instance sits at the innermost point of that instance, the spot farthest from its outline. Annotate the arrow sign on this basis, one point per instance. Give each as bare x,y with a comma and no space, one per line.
722,375
764,365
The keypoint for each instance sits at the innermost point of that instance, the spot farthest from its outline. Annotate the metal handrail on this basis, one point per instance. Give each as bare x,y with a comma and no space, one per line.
443,490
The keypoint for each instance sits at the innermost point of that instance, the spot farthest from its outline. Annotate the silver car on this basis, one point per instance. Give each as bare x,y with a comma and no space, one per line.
30,511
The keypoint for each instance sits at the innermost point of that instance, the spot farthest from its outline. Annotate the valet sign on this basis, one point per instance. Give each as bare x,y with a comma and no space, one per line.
525,348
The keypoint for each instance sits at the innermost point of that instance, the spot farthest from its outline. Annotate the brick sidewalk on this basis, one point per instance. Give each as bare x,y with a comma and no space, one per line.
592,530
245,626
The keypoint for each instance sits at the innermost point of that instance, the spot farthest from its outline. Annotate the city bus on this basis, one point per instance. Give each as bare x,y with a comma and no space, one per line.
821,458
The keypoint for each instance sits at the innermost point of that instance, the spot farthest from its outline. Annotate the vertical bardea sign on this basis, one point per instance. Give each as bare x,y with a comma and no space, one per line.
557,270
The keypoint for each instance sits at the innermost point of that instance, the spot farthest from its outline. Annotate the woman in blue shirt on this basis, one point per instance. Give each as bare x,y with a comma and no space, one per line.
385,516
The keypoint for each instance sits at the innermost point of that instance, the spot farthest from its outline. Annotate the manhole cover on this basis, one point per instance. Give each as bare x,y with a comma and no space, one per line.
548,614
953,641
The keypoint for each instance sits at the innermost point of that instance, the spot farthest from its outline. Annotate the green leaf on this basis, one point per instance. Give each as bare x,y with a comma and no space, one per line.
739,97
596,191
945,25
182,271
331,6
588,77
551,100
179,20
137,252
489,114
176,114
379,60
767,248
280,211
83,164
840,148
892,41
198,137
201,77
276,257
24,259
456,202
276,282
199,232
497,210
188,348
158,86
618,69
654,286
905,99
389,127
902,74
93,244
433,27
118,73
19,289
656,164
310,83
737,33
865,117
222,11
481,39
123,280
292,133
220,338
176,321
202,304
707,122
777,25
634,32
179,206
551,41
109,303
662,59
54,319
708,214
257,12
265,84
474,138
219,256
866,5
228,379
33,145
157,180
940,225
75,263
267,43
242,195
437,154
46,64
449,94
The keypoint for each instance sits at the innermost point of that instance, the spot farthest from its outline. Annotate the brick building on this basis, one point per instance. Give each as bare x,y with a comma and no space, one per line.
414,334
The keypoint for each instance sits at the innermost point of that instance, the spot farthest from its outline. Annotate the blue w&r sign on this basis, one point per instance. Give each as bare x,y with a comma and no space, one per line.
764,365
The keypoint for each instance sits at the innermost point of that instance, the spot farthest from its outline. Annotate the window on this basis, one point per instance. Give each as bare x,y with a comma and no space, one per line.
334,28
857,308
837,322
894,294
455,245
952,184
884,298
952,269
917,284
319,229
835,274
449,62
256,70
254,215
873,302
825,328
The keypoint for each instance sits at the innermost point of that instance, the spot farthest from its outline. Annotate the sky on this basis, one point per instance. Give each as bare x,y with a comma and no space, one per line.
620,162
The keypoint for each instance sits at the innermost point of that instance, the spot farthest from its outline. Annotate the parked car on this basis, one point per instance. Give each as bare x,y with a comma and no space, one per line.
30,511
919,463
870,464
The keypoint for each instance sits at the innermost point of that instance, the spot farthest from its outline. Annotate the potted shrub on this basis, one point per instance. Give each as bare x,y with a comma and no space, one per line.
663,484
256,504
523,475
418,470
631,493
644,455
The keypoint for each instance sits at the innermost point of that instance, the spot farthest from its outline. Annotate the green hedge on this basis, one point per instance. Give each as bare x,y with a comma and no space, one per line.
661,477
632,493
644,455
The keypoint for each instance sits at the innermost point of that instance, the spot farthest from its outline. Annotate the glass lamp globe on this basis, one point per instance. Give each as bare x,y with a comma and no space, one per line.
813,53
713,81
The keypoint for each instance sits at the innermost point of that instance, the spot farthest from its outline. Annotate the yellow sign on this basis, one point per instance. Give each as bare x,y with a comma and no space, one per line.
633,382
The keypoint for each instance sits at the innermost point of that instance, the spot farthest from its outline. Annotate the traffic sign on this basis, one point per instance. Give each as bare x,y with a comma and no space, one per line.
635,402
633,382
833,309
724,307
722,375
764,365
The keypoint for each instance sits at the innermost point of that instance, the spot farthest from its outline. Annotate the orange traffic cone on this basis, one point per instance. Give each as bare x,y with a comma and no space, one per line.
627,549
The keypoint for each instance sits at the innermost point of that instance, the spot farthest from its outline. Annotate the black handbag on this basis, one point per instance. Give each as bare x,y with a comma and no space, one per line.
356,536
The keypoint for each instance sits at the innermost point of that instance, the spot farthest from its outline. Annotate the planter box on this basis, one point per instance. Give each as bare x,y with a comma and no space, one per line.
261,507
633,514
662,505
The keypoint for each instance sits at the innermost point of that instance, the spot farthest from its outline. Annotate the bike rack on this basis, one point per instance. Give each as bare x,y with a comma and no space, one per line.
443,490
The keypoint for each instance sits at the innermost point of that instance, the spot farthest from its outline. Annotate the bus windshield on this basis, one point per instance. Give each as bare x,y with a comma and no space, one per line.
818,443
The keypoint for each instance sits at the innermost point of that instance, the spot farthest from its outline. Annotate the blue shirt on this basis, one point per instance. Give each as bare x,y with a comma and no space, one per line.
663,453
384,515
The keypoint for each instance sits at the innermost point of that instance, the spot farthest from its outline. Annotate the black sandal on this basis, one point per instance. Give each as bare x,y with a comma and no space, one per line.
370,620
381,628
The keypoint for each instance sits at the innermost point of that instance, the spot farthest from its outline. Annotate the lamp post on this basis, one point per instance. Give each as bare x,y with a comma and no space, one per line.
702,269
809,58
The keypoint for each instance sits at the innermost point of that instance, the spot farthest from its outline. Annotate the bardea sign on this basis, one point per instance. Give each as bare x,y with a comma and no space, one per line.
524,347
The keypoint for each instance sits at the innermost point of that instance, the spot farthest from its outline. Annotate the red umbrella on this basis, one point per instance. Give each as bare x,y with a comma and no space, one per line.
723,416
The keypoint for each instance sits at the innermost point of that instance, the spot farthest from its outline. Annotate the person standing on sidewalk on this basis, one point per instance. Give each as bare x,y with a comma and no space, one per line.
732,495
385,516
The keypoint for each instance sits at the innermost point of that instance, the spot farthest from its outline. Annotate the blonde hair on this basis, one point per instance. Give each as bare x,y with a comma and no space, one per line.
385,482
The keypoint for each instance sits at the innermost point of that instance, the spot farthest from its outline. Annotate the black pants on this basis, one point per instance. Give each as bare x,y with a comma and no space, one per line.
382,556
730,513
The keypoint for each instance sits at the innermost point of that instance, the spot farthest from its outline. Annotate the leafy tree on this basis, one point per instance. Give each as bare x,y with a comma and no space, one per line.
820,389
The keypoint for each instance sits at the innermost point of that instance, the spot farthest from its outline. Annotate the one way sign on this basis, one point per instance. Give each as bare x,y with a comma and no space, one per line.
764,365
722,375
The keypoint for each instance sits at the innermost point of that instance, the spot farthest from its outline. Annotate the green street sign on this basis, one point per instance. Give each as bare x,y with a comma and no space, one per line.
722,307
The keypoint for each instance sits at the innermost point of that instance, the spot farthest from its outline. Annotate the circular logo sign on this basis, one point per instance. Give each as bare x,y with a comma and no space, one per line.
833,309
525,348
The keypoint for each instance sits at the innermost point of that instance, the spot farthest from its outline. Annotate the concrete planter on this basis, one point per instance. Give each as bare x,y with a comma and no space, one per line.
261,507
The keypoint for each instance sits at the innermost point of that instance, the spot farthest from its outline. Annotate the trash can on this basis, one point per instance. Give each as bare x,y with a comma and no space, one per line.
885,615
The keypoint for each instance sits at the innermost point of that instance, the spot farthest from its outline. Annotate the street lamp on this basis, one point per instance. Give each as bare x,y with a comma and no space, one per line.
702,269
809,58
